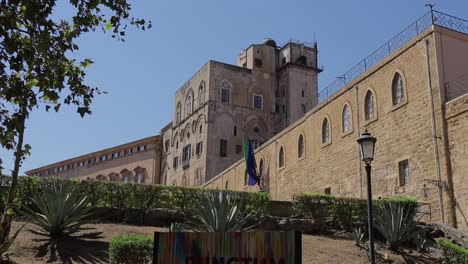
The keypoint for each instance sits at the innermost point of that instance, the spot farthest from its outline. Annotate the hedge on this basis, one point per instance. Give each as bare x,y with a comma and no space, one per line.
139,196
130,250
342,211
452,253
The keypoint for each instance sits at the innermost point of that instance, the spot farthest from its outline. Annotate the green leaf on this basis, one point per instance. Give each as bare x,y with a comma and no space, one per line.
87,62
109,26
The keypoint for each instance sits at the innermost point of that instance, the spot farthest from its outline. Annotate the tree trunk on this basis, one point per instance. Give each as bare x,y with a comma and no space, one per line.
19,154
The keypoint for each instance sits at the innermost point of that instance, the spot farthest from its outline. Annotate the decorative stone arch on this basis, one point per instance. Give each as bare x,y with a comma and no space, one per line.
185,181
127,176
175,139
141,175
101,177
346,106
257,127
400,73
197,178
225,84
201,121
326,130
114,176
226,124
187,129
226,185
367,106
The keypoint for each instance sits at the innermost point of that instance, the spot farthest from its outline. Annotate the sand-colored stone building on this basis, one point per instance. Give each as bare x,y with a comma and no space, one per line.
138,162
414,100
268,89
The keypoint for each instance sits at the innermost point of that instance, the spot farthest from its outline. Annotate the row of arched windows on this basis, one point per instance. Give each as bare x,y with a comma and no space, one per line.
398,97
189,102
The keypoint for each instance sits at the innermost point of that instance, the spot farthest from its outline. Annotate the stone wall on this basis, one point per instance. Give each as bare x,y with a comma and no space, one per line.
406,131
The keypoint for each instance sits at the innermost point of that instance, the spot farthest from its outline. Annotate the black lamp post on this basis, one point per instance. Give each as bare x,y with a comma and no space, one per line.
367,147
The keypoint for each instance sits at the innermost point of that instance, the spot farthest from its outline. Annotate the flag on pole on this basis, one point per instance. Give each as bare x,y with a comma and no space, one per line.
250,164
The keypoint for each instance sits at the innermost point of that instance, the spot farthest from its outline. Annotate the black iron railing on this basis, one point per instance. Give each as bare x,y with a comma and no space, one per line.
431,18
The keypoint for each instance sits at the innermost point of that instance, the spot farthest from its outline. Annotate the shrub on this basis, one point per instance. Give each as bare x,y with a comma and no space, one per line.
452,253
121,196
131,249
61,210
343,211
395,223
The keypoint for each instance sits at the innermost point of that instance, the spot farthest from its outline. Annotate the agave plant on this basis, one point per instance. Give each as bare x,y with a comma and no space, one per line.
419,239
395,223
5,240
358,235
177,227
62,210
219,212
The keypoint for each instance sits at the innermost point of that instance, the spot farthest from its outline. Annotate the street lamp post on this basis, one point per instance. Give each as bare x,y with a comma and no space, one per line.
367,147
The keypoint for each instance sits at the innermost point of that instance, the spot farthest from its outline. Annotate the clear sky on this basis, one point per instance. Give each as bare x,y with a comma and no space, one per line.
143,74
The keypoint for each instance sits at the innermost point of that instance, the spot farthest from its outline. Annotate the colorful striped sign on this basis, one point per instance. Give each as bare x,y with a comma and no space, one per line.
227,248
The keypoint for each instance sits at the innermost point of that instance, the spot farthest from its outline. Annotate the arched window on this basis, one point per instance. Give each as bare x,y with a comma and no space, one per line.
398,95
300,147
200,129
226,186
188,105
201,94
261,169
281,157
369,105
178,112
346,119
325,131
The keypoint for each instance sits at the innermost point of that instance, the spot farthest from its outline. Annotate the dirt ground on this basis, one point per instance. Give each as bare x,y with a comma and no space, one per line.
92,244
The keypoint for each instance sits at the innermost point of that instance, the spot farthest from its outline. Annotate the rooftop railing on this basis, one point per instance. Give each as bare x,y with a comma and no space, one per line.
431,18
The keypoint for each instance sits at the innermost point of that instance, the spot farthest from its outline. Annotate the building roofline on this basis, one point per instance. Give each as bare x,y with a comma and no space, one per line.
95,153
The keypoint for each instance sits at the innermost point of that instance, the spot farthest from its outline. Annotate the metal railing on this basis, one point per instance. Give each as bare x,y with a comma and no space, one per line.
431,18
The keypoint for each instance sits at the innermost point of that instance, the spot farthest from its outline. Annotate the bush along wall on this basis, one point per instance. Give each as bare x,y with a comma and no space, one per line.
120,196
452,253
342,211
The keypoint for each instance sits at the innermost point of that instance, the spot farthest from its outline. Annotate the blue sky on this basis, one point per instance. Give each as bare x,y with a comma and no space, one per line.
142,74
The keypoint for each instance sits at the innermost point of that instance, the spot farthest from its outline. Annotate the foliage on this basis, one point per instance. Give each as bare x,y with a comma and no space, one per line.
419,239
452,253
219,212
358,234
395,223
177,227
38,67
342,211
5,240
131,249
60,211
146,197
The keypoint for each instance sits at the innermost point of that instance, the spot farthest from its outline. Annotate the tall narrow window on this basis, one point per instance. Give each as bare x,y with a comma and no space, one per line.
346,119
281,157
300,147
223,148
403,167
257,102
178,113
325,131
225,95
369,105
201,94
188,105
261,169
397,89
199,148
235,130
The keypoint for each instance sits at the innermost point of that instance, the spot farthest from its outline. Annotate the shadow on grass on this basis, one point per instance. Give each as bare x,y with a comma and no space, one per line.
82,248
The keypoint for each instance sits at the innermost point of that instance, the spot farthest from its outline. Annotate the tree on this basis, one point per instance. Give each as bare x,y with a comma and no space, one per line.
37,67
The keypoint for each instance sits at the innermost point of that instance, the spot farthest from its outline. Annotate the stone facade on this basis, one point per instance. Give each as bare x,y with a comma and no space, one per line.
138,161
269,89
421,148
